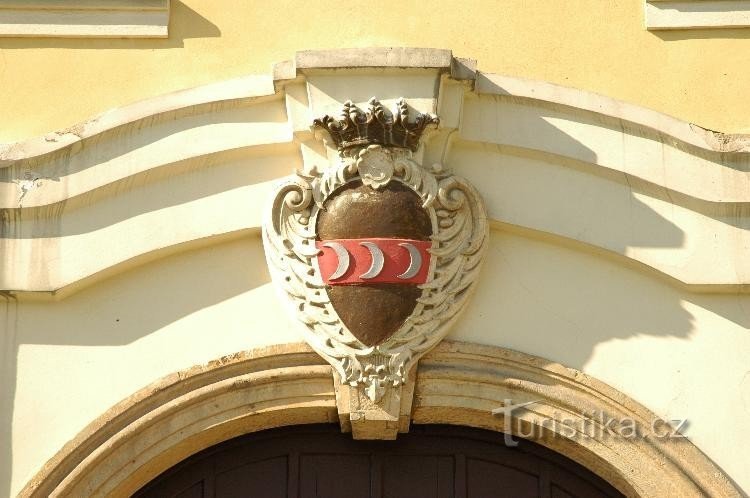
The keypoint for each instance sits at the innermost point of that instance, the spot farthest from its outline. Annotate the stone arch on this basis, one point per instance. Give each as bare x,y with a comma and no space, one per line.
457,383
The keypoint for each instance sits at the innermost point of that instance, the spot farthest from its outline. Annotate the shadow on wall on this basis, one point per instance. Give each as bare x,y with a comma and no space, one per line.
146,193
538,296
533,296
190,25
117,143
136,303
121,310
702,34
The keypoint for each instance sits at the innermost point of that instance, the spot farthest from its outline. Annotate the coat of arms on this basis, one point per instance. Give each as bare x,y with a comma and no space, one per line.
376,254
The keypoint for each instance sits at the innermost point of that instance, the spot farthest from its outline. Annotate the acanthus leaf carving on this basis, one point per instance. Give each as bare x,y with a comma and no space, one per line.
458,241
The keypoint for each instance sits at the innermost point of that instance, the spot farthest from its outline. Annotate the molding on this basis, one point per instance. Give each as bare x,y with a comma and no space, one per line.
542,92
143,114
692,14
185,412
138,114
308,61
462,383
77,182
85,18
457,383
395,57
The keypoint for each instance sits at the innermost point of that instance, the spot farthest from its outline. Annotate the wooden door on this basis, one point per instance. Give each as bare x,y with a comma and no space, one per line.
429,462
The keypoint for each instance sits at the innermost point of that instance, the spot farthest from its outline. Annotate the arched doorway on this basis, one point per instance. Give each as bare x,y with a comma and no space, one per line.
458,384
430,461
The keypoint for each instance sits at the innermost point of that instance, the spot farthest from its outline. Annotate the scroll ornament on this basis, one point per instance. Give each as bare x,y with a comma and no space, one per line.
432,264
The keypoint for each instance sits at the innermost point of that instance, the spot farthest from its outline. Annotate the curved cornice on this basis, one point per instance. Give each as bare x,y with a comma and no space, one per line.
681,131
158,109
457,383
381,58
112,182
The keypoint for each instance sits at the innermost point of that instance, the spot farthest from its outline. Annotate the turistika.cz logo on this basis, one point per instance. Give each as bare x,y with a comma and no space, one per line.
586,424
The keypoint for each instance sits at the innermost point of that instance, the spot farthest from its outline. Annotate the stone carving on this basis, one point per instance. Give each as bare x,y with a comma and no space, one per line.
357,128
375,254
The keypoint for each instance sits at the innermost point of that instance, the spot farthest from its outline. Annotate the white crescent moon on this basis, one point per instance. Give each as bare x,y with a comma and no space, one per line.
377,260
343,259
415,264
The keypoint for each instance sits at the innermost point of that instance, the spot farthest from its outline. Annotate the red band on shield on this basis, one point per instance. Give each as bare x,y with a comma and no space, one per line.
362,261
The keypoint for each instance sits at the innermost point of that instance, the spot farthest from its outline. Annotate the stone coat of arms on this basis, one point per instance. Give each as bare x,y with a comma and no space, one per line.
375,253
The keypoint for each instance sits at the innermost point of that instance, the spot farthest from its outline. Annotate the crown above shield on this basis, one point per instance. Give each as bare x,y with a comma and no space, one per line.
376,255
376,126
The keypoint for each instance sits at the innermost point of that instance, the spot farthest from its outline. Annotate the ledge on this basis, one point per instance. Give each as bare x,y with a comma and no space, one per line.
282,72
375,57
54,189
153,110
690,14
85,18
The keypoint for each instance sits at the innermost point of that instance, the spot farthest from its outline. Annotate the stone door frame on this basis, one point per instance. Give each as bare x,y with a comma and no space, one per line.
457,383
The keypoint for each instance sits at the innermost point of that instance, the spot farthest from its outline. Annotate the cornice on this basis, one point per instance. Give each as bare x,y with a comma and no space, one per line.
691,14
305,62
138,159
84,18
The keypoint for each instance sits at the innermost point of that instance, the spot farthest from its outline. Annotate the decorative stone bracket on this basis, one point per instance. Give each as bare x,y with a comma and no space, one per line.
372,205
368,419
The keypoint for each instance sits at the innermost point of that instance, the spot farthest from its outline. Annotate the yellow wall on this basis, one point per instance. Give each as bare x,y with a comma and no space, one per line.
597,45
620,252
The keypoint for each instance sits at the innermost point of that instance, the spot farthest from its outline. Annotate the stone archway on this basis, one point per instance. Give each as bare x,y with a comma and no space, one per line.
457,384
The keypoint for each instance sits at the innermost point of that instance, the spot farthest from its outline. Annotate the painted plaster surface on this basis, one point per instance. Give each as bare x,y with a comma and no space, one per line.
458,383
132,249
88,351
699,76
681,354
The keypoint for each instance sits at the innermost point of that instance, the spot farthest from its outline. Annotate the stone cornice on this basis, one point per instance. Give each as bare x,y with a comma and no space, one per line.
374,58
691,14
130,161
84,18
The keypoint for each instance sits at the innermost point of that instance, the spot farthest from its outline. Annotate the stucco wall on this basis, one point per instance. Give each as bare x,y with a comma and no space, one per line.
699,76
617,246
681,354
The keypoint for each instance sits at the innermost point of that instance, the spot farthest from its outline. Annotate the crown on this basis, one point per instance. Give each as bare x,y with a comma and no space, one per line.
355,128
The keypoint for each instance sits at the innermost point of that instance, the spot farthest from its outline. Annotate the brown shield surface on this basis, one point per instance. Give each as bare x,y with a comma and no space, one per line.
374,311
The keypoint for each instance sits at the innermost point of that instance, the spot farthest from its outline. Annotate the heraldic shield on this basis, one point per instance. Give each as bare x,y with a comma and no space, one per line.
375,254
